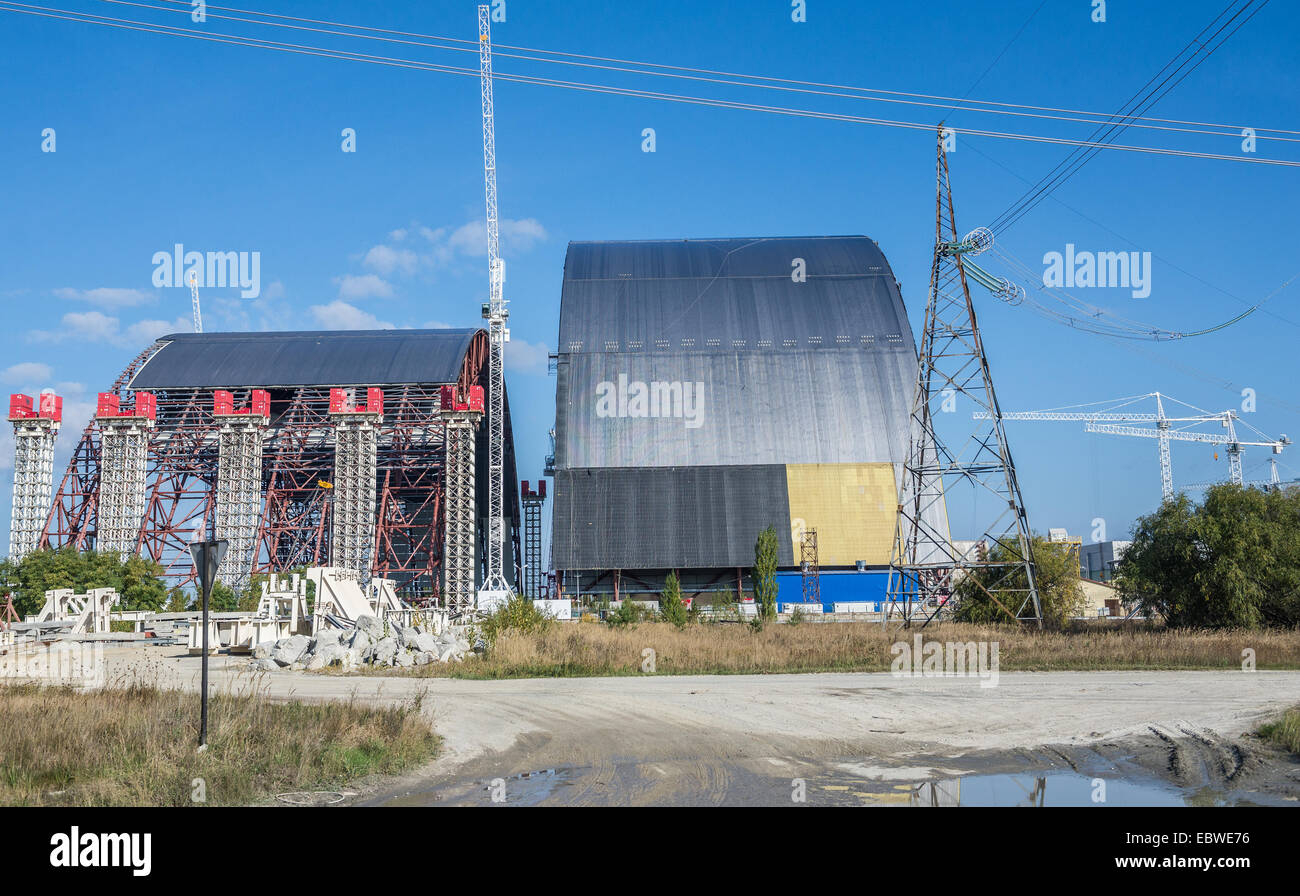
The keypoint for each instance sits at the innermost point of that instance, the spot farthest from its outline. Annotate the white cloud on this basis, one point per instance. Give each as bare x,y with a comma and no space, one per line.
527,357
352,286
386,260
146,331
107,296
27,372
95,326
90,326
516,235
339,315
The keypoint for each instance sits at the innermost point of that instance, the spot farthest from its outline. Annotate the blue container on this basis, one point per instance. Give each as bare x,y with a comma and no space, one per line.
869,586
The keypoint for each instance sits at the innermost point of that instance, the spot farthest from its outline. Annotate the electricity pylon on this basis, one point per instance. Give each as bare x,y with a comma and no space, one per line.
928,570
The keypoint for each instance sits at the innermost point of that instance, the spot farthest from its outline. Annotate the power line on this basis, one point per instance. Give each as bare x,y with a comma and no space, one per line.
862,93
1105,135
300,49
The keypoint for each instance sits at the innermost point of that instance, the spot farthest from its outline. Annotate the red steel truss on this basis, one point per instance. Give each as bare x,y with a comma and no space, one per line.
297,466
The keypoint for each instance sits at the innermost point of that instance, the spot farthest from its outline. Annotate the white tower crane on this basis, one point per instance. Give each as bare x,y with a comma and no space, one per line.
495,587
1114,417
194,294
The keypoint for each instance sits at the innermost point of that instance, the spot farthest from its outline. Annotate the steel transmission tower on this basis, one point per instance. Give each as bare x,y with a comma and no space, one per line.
495,586
927,567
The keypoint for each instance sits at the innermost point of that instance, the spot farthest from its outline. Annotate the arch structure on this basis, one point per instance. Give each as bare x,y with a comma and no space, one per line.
292,400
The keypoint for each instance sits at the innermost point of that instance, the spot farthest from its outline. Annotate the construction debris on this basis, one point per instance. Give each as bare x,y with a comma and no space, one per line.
371,643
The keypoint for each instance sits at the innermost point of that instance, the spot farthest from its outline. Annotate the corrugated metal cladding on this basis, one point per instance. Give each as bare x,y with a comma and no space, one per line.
348,358
669,517
778,371
686,356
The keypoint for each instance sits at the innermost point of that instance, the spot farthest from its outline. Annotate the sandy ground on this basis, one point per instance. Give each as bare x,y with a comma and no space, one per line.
850,737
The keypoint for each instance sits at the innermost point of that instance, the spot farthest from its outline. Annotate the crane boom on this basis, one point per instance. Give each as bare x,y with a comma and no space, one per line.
1114,421
495,587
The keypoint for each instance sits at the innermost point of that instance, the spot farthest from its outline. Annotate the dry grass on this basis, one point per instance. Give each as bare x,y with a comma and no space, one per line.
1285,732
583,649
135,746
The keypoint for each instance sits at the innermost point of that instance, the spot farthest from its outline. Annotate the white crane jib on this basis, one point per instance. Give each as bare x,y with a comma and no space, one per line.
495,587
1115,417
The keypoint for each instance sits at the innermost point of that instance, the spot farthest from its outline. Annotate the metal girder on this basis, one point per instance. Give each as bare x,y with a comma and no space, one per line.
183,483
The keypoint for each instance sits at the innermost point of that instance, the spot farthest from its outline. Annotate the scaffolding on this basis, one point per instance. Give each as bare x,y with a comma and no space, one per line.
534,573
458,566
124,450
297,459
34,434
812,579
239,483
352,527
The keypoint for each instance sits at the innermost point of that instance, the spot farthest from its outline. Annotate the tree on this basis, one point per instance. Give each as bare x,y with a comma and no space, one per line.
142,586
223,599
42,571
765,562
670,601
1056,576
1231,561
177,600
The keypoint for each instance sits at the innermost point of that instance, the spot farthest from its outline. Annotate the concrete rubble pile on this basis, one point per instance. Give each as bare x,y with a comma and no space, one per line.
368,644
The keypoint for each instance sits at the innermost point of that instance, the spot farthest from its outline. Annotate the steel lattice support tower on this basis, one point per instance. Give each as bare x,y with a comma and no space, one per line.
239,495
352,533
124,448
458,559
927,569
534,574
33,483
496,314
808,565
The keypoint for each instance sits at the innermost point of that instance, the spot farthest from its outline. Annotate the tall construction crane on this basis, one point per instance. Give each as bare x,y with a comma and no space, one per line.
495,587
194,295
1273,482
1115,417
1228,439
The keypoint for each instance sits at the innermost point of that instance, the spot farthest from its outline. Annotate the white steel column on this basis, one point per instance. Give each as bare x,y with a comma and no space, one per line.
239,495
124,449
33,483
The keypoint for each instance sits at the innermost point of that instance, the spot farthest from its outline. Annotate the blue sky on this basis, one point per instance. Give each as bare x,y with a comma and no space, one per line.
163,140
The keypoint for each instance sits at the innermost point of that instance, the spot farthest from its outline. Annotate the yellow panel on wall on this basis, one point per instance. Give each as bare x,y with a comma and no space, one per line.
853,507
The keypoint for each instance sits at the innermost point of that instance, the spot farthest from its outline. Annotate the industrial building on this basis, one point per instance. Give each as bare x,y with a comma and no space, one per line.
707,389
363,450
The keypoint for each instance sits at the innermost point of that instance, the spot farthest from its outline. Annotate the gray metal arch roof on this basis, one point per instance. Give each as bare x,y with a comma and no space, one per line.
728,289
305,358
819,371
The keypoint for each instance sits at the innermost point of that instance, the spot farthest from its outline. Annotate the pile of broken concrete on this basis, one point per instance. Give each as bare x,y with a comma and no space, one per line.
369,644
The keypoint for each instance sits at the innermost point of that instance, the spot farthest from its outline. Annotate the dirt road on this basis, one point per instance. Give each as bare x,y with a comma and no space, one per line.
720,739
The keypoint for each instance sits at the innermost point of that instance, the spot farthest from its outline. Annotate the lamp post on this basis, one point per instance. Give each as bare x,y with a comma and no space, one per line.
207,557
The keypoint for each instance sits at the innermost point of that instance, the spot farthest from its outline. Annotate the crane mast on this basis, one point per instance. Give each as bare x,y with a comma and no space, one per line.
194,295
495,587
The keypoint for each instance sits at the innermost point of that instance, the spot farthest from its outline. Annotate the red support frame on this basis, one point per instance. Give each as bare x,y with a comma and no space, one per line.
298,455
